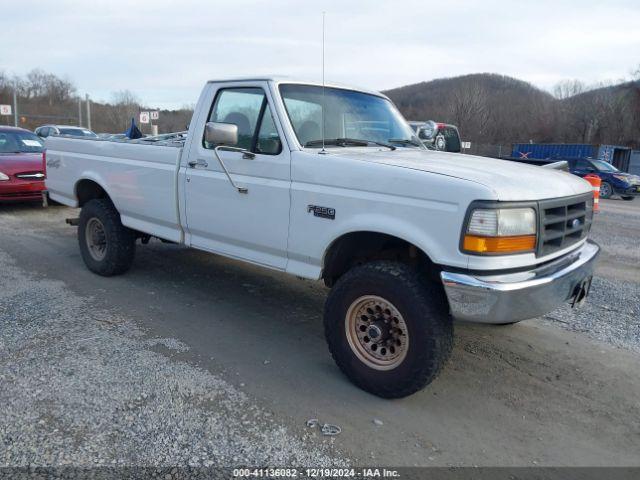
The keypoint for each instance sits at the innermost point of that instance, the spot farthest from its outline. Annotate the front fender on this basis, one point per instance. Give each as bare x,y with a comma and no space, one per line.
434,232
399,228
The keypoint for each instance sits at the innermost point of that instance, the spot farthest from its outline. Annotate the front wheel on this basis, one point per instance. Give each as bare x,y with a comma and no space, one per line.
107,246
606,190
628,198
388,330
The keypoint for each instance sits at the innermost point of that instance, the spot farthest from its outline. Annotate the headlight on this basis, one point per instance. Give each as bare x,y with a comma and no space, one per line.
500,230
3,177
623,178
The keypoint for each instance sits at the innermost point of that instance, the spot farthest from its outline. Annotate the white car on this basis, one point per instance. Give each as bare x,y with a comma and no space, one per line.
331,183
48,130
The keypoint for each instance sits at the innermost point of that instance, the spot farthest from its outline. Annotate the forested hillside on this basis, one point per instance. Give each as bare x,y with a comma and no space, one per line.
495,109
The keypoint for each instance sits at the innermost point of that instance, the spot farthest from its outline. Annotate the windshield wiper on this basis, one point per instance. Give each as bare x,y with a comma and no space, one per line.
343,142
405,141
383,144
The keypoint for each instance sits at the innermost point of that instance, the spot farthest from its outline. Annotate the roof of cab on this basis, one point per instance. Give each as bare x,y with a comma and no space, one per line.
279,79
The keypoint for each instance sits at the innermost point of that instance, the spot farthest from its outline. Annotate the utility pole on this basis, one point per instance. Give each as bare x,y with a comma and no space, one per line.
88,112
15,104
79,111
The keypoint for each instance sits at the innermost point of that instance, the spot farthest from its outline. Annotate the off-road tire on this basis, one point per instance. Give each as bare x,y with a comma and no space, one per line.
424,308
120,240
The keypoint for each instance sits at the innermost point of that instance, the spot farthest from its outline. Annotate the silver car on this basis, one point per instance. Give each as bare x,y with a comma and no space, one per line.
48,130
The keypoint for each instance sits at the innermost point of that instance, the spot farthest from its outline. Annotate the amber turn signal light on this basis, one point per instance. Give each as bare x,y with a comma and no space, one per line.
516,244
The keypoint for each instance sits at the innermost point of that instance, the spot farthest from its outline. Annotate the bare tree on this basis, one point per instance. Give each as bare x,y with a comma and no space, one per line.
576,112
568,88
40,84
124,97
470,110
125,105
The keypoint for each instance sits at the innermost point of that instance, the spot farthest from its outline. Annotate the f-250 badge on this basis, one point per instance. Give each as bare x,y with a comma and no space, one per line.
322,212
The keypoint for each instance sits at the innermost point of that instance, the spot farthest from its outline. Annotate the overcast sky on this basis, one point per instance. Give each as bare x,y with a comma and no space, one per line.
163,51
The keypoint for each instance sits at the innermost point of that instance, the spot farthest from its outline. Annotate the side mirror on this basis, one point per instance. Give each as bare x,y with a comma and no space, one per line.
217,133
225,137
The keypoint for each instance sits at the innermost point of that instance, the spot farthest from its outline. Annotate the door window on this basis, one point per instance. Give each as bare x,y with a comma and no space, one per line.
248,109
268,139
582,164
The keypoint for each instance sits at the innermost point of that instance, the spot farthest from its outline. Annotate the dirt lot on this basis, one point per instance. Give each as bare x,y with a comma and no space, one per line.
193,358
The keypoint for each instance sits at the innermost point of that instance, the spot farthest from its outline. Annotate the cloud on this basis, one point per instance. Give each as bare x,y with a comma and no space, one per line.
164,51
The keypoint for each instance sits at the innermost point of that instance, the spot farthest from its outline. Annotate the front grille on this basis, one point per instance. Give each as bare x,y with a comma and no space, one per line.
564,222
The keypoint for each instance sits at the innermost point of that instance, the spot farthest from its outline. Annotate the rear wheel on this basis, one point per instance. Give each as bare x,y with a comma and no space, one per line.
388,330
606,190
107,246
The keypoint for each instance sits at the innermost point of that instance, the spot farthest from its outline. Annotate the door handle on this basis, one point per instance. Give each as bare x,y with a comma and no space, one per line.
197,163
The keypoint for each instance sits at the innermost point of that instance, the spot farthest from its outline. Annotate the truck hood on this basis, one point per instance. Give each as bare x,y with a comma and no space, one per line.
509,181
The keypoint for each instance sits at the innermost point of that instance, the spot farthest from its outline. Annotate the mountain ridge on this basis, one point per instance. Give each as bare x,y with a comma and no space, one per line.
498,109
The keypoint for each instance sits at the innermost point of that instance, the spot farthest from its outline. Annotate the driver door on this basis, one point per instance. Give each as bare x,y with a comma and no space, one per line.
251,226
583,167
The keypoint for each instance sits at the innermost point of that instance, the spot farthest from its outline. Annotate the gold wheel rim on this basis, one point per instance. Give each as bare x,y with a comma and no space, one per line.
377,332
96,239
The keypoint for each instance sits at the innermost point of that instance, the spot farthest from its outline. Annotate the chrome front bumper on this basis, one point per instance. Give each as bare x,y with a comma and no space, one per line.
510,297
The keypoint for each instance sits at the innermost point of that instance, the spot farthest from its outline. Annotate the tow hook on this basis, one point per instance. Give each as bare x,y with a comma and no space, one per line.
581,292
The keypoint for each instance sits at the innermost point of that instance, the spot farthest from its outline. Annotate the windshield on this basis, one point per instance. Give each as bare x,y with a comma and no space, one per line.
20,142
348,115
603,166
77,132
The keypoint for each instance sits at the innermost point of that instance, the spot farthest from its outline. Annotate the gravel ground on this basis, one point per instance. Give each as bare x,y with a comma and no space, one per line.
612,311
617,229
146,368
83,387
611,314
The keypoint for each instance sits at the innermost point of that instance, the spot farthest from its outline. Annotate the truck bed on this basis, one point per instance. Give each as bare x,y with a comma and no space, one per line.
137,177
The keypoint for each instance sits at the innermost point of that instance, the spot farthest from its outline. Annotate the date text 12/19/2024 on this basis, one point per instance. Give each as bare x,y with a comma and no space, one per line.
315,473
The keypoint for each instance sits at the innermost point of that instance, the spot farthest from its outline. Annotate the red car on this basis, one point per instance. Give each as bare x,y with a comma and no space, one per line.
22,167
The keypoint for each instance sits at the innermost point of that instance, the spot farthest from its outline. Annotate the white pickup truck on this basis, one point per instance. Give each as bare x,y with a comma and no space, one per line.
331,183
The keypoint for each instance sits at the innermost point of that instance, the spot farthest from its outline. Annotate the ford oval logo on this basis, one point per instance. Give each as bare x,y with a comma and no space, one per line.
575,223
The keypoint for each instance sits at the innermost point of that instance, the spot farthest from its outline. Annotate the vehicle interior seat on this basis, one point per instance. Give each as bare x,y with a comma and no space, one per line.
245,133
309,131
